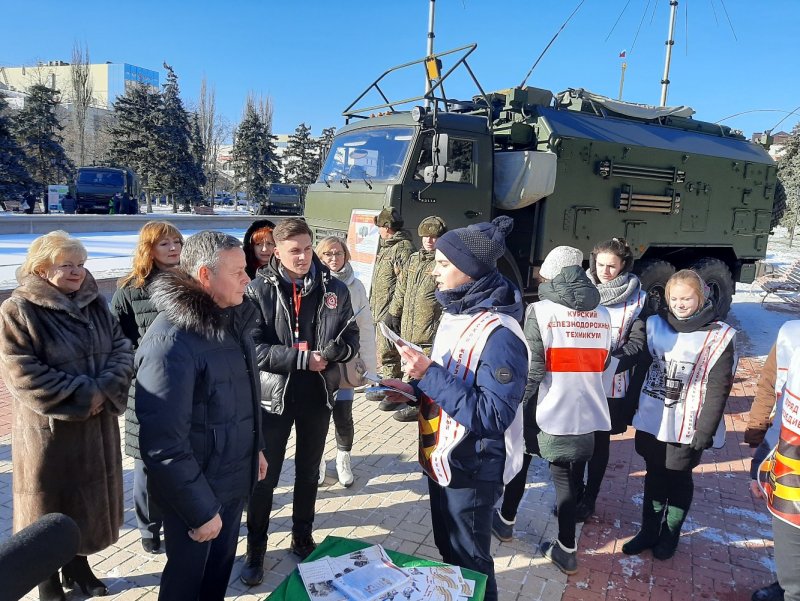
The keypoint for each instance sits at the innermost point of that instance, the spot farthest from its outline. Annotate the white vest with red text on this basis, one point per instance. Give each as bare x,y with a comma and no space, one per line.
675,386
622,317
576,345
459,343
788,340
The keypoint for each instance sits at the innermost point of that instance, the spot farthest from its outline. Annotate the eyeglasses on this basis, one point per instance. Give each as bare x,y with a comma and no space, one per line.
332,254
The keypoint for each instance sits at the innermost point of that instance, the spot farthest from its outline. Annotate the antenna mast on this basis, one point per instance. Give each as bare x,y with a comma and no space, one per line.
673,12
431,35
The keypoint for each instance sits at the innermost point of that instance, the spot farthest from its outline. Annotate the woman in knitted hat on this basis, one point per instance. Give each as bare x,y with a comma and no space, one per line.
569,335
470,391
621,293
690,361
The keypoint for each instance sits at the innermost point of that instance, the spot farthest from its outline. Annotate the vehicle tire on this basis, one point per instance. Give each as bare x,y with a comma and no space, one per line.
653,274
507,267
717,276
778,205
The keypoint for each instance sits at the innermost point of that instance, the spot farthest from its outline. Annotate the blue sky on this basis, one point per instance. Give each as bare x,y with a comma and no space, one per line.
313,57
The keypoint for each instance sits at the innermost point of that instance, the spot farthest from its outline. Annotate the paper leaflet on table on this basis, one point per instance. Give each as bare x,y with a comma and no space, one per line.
372,581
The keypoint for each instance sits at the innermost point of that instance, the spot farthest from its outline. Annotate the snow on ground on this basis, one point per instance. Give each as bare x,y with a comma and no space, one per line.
110,253
110,256
759,323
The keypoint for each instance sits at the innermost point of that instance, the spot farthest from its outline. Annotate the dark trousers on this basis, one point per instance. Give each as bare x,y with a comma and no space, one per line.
514,491
311,418
148,513
343,423
787,558
462,524
566,501
597,464
199,571
669,487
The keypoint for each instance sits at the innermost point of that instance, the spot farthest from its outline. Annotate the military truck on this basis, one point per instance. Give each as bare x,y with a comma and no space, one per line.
573,168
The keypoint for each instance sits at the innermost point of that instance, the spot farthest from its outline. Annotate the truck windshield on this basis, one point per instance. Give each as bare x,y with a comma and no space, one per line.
100,178
376,154
283,190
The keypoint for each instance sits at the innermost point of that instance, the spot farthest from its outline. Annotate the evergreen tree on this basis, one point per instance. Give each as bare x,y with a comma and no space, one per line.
301,159
38,133
134,134
173,148
789,176
325,143
198,153
14,176
255,160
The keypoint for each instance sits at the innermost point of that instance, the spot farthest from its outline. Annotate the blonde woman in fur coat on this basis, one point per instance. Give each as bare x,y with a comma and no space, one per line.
68,366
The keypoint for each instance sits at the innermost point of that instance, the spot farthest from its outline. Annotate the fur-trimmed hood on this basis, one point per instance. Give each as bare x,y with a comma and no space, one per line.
184,303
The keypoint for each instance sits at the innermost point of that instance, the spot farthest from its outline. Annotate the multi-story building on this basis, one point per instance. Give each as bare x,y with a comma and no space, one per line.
108,80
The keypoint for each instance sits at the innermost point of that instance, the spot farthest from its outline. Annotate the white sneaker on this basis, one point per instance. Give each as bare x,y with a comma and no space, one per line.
321,478
343,468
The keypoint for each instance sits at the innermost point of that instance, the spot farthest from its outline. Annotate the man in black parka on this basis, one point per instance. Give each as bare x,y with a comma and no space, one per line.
197,399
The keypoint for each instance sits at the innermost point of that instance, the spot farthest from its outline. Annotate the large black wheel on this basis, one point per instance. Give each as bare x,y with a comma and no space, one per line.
654,273
717,277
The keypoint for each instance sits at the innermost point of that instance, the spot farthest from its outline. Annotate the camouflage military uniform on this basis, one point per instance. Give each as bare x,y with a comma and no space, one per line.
415,301
392,260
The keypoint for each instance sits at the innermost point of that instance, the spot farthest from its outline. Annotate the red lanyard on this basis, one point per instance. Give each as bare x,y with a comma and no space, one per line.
297,300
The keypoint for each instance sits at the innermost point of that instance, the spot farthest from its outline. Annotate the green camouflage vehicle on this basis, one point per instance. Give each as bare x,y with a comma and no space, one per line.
572,169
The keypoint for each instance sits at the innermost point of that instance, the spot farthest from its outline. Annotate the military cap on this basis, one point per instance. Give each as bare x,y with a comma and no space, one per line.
389,217
432,226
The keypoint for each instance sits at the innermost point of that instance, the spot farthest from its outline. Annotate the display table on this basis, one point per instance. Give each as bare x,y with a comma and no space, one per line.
292,587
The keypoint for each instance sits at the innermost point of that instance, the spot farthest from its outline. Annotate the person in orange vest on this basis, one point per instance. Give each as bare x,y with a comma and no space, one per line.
690,361
776,462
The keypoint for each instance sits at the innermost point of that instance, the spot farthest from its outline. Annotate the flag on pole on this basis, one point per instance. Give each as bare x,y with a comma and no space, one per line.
622,54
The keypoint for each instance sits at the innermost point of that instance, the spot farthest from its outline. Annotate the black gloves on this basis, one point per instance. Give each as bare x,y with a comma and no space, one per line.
754,437
335,352
392,322
701,441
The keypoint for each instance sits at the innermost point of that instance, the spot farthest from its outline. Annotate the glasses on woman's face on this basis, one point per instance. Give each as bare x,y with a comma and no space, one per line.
332,254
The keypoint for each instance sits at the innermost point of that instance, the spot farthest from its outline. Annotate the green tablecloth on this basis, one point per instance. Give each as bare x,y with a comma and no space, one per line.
292,589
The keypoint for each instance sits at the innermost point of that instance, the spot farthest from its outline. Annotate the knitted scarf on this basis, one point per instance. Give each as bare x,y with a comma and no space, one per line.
617,290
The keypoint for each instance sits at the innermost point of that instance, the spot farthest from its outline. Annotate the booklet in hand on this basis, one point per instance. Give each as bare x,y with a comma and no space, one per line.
371,392
395,339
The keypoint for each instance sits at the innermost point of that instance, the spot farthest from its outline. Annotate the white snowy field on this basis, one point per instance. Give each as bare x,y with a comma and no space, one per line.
110,256
110,253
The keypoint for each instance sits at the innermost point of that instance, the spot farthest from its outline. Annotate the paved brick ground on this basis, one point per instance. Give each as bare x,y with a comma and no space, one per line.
724,554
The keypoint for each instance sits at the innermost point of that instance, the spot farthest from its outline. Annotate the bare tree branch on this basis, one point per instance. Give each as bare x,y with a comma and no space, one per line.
81,95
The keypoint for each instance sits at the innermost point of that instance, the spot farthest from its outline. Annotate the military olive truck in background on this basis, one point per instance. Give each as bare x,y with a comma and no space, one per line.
571,169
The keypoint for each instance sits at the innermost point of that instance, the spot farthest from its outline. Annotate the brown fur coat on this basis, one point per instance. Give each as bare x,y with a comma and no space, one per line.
58,353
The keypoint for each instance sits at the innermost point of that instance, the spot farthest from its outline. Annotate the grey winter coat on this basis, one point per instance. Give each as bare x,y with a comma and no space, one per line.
58,353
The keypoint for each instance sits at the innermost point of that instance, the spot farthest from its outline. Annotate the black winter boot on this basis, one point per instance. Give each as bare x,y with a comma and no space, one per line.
50,589
78,573
670,533
585,507
647,537
253,571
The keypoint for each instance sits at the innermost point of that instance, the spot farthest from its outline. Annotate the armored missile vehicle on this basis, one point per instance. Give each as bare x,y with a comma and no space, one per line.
572,168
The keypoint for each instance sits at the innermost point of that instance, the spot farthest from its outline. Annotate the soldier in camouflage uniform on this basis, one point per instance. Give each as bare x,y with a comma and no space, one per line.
414,312
395,249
